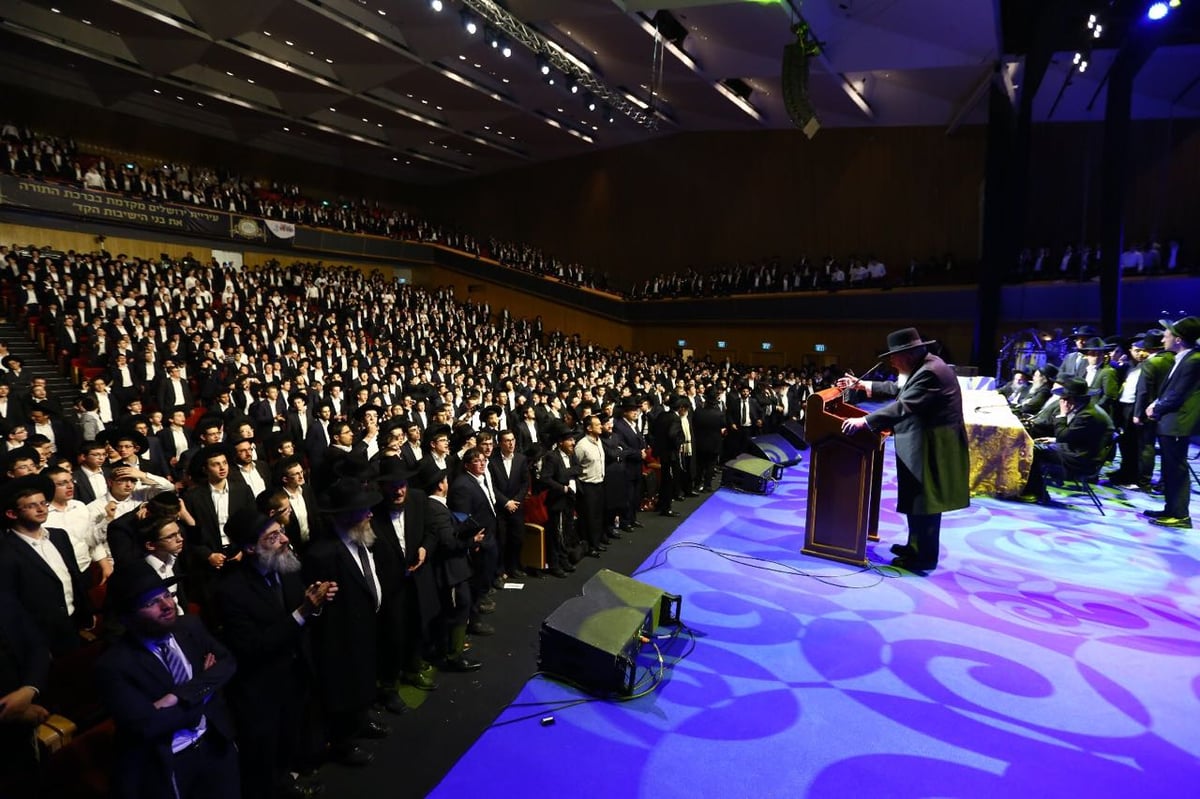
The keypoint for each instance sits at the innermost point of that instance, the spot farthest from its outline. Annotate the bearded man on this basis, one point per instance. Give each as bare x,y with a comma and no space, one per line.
266,610
345,636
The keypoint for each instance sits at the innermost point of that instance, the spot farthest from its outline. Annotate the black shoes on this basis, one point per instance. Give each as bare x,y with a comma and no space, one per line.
392,703
903,550
626,528
375,730
1154,514
913,565
636,525
1180,522
670,513
349,755
480,628
461,664
557,572
595,553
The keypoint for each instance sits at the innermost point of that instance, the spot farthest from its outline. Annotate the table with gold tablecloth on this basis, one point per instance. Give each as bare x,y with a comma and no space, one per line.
1001,448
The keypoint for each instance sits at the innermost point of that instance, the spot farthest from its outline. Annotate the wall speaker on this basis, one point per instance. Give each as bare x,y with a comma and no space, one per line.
594,639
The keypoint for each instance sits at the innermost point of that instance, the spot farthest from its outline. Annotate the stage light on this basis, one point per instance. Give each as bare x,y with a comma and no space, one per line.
1083,65
436,5
506,49
590,102
1078,58
1157,11
469,23
543,64
573,86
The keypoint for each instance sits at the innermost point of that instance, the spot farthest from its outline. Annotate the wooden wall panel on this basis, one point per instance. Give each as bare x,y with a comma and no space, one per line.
703,199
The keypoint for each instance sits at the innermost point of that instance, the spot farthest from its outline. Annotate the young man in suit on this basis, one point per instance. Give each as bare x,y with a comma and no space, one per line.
558,474
38,564
266,608
452,567
509,472
1177,411
473,495
211,502
631,451
161,682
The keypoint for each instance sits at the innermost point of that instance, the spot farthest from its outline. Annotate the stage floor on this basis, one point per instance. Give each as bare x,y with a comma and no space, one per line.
1056,652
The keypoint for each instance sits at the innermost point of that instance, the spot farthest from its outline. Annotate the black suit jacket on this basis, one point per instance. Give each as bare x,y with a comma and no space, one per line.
1177,408
130,679
266,640
206,539
707,424
554,477
24,656
399,584
344,640
629,443
35,585
452,561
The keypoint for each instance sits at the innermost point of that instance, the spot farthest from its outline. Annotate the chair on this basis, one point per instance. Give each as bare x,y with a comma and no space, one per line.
1084,481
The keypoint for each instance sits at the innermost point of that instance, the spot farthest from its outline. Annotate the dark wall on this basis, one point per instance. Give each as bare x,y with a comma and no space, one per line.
702,199
1065,168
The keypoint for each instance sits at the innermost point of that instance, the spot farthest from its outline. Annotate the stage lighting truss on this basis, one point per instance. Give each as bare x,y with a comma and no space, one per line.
506,28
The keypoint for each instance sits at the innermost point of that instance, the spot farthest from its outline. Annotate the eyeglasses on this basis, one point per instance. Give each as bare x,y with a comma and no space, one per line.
34,505
171,537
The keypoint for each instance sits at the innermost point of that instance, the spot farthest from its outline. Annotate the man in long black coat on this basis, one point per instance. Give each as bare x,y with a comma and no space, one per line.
667,432
404,550
631,448
932,459
265,609
345,636
708,427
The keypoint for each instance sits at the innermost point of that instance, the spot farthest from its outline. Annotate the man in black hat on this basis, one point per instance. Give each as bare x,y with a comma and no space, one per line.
1039,391
1177,411
558,474
708,428
1017,389
161,682
1075,363
1153,372
38,564
403,550
345,636
1082,440
631,451
266,610
667,433
1099,375
932,459
452,565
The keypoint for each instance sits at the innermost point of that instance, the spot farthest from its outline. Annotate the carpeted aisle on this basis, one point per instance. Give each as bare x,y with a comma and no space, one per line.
1055,653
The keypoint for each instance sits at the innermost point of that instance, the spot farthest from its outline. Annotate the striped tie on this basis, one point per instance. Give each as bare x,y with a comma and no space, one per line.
174,663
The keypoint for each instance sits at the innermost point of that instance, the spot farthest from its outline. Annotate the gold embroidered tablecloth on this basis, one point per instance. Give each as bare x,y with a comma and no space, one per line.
1001,449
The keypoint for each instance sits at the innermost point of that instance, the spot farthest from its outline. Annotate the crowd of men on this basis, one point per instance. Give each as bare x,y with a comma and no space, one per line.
1137,398
183,491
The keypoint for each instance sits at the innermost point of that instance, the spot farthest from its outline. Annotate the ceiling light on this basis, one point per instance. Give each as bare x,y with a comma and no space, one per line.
573,86
86,21
469,23
334,110
436,5
286,129
55,10
543,64
157,91
266,33
250,81
382,13
1156,12
289,44
230,74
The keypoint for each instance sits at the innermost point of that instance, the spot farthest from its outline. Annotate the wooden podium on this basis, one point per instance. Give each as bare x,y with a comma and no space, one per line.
845,477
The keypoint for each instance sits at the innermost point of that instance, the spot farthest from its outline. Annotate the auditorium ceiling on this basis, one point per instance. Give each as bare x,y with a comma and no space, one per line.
395,88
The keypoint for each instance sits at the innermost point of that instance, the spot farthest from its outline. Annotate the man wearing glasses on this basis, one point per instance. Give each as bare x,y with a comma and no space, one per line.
37,564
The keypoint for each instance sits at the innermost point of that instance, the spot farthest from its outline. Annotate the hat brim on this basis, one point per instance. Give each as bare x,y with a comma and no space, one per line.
906,347
363,501
1060,392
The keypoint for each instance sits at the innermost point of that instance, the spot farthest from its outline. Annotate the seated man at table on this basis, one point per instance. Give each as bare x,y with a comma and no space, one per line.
1016,390
1039,391
1082,439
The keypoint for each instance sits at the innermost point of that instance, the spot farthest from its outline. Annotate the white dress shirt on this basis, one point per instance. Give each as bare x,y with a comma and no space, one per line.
45,549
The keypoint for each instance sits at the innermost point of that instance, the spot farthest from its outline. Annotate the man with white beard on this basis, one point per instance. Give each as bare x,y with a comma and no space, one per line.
345,636
267,611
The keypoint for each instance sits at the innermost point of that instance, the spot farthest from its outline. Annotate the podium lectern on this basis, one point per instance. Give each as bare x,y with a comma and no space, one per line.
845,477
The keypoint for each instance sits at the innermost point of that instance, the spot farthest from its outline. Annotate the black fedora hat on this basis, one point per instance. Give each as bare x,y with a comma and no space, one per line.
348,494
429,475
1049,371
1072,388
557,431
904,339
246,526
630,403
111,435
392,471
1094,344
1084,331
9,489
133,584
1150,340
1186,328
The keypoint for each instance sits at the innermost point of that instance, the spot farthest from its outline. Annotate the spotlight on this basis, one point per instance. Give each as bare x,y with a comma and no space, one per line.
573,86
506,49
436,5
470,25
1078,58
589,101
1157,11
543,64
1083,66
609,115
